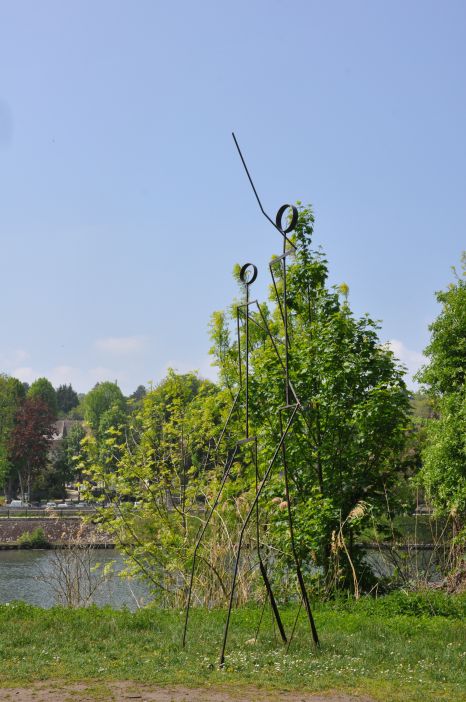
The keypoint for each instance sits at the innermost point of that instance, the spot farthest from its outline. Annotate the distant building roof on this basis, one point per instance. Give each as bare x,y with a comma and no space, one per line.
62,428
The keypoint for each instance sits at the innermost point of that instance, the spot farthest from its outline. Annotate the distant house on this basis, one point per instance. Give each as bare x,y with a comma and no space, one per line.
62,428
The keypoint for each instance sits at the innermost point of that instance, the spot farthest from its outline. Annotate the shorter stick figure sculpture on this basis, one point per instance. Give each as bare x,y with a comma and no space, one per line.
287,413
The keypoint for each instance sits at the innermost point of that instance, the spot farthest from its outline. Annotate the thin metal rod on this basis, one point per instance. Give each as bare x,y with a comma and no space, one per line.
266,329
261,617
284,315
270,336
202,532
294,625
259,326
247,361
257,196
273,603
302,585
287,340
285,254
296,398
276,293
224,428
262,567
241,536
239,347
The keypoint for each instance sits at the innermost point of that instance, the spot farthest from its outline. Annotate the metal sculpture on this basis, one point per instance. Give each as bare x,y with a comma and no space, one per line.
287,414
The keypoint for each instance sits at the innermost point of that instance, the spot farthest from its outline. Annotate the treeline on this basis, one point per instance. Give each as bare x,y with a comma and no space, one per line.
36,461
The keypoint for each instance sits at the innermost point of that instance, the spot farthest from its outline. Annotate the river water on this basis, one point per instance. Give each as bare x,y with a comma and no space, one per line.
28,576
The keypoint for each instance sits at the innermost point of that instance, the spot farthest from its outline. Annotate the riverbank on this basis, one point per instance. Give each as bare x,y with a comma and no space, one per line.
16,546
399,648
57,531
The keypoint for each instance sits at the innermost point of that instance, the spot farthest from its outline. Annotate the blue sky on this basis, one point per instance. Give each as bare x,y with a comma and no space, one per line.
124,205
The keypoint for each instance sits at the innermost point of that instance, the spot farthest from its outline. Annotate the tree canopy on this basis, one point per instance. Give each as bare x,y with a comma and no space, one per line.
157,460
443,473
342,449
103,405
67,398
138,394
43,389
446,370
344,446
30,440
12,394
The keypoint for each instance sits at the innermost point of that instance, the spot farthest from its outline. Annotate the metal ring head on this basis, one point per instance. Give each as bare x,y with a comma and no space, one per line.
248,273
294,218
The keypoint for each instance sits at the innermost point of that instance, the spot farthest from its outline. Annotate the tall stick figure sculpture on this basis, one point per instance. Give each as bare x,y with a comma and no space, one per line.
287,414
248,275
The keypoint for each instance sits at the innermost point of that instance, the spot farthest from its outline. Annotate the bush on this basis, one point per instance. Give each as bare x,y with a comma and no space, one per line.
431,603
33,539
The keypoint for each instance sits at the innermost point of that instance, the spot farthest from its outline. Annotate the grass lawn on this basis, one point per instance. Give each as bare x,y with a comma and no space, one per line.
400,647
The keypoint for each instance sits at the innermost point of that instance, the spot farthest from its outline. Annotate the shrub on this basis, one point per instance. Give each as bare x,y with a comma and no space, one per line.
33,539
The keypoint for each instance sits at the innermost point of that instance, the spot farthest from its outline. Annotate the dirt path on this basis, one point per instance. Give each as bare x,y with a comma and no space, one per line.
127,691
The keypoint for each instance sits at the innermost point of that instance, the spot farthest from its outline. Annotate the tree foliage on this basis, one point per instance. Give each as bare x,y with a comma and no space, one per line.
62,466
43,389
67,398
343,448
103,407
12,394
30,440
444,458
157,461
139,394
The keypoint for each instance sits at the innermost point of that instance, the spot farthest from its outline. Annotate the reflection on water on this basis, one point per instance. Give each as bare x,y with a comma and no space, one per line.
407,565
19,571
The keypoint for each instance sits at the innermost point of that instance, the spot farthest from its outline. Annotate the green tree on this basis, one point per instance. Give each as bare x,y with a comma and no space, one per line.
12,394
62,467
73,443
158,461
67,398
102,403
444,458
43,389
139,394
343,447
78,411
73,453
